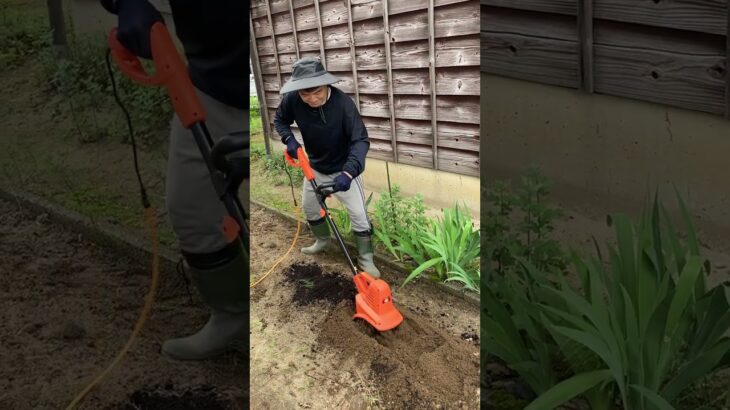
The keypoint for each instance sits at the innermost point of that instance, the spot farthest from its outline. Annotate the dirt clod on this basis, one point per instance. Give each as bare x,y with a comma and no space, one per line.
73,331
312,285
166,399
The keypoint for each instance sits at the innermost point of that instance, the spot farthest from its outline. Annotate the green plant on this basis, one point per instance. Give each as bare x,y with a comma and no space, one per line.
83,81
537,222
646,316
400,220
519,225
22,34
451,246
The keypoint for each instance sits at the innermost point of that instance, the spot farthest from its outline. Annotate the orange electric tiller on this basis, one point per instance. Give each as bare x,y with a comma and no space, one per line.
373,302
171,72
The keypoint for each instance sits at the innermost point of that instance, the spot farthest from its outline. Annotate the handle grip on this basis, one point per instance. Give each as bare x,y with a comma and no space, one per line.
325,189
302,162
170,72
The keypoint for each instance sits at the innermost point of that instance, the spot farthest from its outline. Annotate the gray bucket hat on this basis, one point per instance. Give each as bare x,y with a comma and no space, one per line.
308,72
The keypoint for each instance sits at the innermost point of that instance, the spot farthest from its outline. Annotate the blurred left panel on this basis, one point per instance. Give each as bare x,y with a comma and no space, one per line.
123,204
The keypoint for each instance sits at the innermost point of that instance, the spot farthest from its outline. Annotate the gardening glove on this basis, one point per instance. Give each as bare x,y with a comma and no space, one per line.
136,18
292,146
342,182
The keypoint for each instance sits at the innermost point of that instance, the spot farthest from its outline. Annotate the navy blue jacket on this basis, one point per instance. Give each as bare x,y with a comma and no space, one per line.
215,38
334,135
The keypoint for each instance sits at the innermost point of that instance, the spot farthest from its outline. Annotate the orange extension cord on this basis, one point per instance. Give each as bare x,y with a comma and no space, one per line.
150,218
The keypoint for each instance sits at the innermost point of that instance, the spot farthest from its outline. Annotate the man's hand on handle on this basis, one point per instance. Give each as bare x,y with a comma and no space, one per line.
136,18
342,182
291,147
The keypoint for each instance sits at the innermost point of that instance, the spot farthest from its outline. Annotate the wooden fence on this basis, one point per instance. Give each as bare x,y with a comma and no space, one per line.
671,52
411,66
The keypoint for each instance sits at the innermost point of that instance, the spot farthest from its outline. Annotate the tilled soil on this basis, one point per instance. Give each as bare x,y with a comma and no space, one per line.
68,308
308,352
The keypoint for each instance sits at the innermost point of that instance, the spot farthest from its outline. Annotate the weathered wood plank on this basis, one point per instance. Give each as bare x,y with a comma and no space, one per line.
707,16
387,34
353,61
458,51
409,26
270,83
374,105
727,56
464,137
549,6
368,10
416,155
531,46
455,51
432,85
460,162
549,26
380,150
413,132
258,7
689,81
461,109
339,60
285,43
411,82
536,59
585,34
261,27
336,37
370,57
373,82
294,27
333,12
457,81
308,40
345,84
368,32
305,18
412,5
457,19
378,128
413,54
265,46
451,135
318,18
286,61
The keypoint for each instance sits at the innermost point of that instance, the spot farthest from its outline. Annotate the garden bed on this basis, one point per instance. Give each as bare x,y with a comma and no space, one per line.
70,305
307,351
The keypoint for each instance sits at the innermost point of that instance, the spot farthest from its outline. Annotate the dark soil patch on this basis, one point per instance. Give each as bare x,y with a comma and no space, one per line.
312,285
415,365
166,398
69,305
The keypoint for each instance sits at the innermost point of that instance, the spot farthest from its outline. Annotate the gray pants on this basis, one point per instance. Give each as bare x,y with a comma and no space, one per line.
195,211
353,200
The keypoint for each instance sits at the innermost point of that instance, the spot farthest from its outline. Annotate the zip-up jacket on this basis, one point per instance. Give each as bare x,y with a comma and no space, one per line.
334,134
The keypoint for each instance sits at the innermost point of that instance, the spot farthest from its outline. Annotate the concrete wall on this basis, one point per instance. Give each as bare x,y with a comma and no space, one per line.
607,154
439,189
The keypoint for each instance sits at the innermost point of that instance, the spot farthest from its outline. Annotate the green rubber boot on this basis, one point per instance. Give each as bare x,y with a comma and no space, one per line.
321,231
224,290
365,253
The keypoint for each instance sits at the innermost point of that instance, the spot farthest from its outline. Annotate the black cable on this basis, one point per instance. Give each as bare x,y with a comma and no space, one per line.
291,184
142,191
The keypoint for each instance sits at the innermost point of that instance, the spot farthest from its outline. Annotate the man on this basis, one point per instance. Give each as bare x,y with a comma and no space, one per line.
216,46
336,142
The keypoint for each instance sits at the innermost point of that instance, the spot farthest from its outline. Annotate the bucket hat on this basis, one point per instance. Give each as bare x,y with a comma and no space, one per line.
308,72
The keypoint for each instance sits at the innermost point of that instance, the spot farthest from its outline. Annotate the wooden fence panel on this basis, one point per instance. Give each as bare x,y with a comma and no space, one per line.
358,49
667,52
